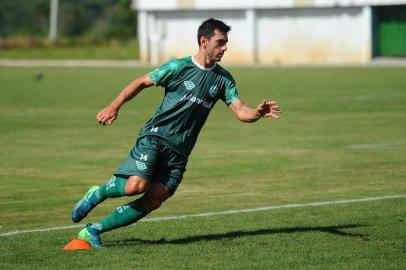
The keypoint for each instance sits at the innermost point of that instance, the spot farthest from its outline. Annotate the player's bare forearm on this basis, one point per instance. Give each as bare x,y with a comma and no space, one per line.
264,109
248,115
131,90
109,114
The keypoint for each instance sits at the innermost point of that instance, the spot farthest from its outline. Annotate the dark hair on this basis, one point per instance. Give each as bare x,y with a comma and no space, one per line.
206,29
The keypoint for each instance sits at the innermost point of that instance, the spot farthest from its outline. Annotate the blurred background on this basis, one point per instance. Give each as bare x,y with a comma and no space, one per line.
98,29
279,32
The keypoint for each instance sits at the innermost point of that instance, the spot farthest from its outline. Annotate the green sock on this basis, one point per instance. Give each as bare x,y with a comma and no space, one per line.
122,216
114,188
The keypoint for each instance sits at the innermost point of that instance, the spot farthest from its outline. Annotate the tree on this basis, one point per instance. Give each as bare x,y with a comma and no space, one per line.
99,18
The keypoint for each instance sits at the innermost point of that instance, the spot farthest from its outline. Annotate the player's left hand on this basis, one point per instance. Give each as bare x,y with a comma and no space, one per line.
269,109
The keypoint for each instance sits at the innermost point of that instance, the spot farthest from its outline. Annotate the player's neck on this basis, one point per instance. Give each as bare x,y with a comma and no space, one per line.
203,60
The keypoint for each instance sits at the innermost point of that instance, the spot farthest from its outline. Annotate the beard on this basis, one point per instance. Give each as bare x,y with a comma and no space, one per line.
219,57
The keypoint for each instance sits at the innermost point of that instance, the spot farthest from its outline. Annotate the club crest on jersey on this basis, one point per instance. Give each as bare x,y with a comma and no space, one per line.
189,85
213,91
141,165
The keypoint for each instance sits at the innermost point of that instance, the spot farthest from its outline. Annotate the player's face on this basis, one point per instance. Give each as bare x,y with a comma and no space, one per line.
217,45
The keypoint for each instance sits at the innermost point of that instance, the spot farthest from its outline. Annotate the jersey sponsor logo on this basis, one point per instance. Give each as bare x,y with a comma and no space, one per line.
197,100
189,85
213,91
141,165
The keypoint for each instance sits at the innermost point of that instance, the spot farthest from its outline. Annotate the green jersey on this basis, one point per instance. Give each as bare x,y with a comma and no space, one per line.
191,91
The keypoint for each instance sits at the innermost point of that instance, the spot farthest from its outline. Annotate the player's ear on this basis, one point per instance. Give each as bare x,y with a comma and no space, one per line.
203,42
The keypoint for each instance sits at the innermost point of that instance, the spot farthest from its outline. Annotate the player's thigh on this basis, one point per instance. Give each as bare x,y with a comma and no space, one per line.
171,169
142,161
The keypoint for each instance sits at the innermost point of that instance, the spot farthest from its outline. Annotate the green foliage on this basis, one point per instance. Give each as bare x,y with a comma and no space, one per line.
28,17
342,136
98,19
121,20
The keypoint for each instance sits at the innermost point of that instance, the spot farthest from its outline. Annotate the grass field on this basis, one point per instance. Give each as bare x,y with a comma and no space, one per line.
342,136
119,50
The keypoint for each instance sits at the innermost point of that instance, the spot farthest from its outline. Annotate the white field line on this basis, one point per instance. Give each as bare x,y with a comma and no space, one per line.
222,213
375,146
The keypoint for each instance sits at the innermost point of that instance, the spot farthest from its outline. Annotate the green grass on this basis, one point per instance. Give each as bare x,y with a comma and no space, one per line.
121,51
342,136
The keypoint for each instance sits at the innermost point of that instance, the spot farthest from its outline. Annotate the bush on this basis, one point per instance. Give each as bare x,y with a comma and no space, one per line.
26,41
21,41
25,23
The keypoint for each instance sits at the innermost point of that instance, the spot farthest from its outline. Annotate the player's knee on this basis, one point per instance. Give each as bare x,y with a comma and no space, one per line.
136,185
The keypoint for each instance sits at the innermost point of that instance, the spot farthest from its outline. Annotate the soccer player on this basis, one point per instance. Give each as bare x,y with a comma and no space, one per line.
155,165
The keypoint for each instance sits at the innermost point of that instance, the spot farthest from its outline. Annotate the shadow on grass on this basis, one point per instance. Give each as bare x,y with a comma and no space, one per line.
336,230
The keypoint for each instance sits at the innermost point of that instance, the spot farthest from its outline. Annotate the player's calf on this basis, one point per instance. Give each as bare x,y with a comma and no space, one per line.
122,216
115,187
155,196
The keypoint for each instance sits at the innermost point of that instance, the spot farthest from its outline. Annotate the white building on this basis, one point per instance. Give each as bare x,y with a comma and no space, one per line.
276,31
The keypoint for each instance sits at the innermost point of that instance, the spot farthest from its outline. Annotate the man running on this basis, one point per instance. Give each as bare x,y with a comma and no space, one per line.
156,164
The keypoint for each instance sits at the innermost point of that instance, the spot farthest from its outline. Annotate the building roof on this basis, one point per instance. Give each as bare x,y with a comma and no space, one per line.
252,4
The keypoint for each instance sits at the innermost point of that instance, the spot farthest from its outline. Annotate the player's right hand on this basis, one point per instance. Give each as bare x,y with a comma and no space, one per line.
107,116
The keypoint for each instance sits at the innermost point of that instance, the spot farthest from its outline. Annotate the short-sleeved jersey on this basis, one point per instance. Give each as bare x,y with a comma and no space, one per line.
191,91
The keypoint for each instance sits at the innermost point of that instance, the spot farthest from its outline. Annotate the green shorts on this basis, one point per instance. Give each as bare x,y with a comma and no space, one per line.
152,159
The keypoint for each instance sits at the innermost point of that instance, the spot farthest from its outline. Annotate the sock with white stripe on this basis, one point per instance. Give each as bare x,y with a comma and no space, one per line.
114,188
122,216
